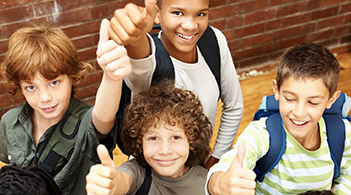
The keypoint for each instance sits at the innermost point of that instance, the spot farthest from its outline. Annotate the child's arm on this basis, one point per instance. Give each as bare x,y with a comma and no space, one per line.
129,26
104,178
236,180
114,62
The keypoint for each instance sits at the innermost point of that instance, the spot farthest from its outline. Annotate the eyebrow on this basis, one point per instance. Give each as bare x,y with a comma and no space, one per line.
313,97
182,9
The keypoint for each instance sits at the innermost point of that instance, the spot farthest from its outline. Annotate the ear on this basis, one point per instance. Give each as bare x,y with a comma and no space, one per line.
275,89
333,98
157,17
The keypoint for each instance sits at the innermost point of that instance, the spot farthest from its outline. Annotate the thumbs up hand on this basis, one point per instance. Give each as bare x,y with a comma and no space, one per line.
236,180
102,178
131,22
112,58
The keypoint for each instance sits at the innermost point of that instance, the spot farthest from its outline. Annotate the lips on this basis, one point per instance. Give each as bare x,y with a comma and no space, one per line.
185,37
49,109
166,162
299,123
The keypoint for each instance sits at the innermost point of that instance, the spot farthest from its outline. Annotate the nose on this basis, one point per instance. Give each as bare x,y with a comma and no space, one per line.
165,148
299,109
45,95
189,23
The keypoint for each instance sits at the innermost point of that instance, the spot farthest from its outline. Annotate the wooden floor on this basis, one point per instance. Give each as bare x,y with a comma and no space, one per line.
254,89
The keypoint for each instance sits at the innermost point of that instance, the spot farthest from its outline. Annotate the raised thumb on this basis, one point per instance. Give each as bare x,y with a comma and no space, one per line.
238,160
104,156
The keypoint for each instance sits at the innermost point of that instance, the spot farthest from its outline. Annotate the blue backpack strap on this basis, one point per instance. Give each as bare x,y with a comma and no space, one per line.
268,107
336,139
277,143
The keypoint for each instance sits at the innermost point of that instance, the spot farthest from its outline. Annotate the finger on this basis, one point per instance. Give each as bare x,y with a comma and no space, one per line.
105,25
238,160
150,8
104,156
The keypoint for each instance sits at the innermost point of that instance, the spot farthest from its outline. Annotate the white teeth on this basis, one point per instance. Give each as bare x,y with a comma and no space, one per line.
185,37
299,122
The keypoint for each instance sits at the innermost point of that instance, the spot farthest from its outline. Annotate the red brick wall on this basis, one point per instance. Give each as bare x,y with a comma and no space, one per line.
258,31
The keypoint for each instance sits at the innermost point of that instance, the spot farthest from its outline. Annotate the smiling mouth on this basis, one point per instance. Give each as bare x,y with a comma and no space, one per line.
300,123
185,37
48,109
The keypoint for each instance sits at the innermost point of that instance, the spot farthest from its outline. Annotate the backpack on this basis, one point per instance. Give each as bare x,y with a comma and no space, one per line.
335,127
209,49
60,143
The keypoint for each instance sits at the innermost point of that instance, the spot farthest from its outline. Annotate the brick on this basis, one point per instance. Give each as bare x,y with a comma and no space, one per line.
70,17
276,2
324,13
3,47
100,12
328,3
288,32
291,9
86,92
345,39
249,6
247,53
92,78
234,45
44,8
345,8
271,47
343,30
260,16
256,40
312,5
295,20
229,34
11,28
15,14
83,42
235,21
222,12
320,35
308,28
220,24
250,30
11,3
87,54
64,5
330,22
272,25
214,3
347,19
82,29
283,44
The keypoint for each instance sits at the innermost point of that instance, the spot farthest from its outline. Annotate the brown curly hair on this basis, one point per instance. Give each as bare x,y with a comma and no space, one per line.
175,106
44,49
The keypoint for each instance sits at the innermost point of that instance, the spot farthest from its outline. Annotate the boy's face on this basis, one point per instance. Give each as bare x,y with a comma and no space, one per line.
301,105
166,149
48,98
183,22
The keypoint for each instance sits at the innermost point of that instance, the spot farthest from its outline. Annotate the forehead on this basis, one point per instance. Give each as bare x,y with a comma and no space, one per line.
304,87
185,4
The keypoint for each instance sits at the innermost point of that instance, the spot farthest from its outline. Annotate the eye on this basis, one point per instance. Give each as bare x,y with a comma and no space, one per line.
313,103
54,83
178,13
152,138
176,137
30,88
200,14
289,99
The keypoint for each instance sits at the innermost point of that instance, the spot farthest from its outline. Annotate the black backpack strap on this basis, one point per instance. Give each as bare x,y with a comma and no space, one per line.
208,45
209,48
164,66
64,129
145,187
335,127
277,144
